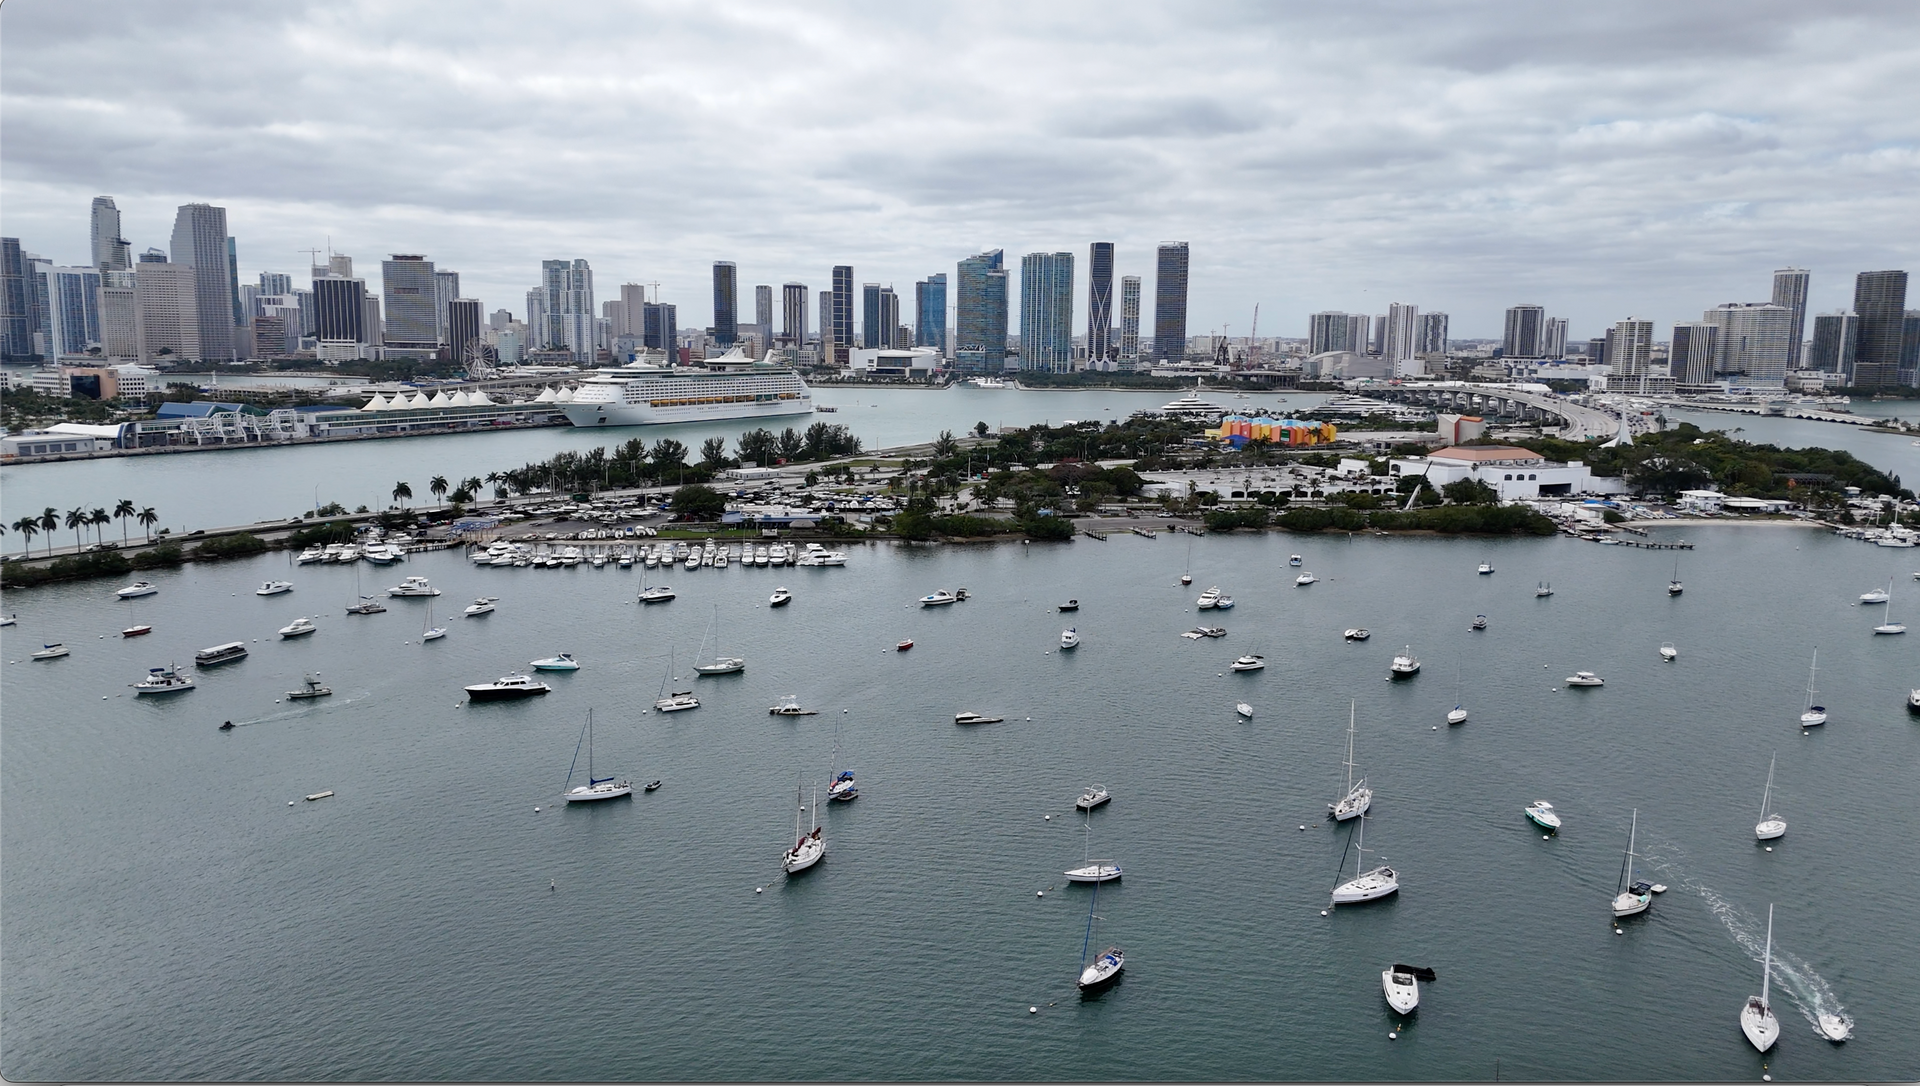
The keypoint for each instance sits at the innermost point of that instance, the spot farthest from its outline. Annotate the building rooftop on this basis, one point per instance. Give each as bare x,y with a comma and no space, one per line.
1485,454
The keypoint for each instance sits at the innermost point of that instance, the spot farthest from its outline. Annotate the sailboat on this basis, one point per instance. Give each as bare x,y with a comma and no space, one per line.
430,632
679,699
1107,966
1674,587
1890,626
841,787
1092,870
1756,1018
721,665
1459,713
1771,825
1359,797
1815,714
596,787
1365,885
1186,578
1635,898
808,847
362,605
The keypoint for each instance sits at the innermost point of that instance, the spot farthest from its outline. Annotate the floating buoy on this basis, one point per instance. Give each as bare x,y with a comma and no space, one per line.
1047,818
1039,893
536,810
1033,1010
1544,836
1617,931
1769,848
103,697
1323,912
1436,727
759,889
1393,1036
1303,829
289,803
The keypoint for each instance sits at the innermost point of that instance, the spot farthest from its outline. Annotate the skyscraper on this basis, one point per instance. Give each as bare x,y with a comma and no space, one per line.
837,339
233,285
166,313
463,327
119,316
446,287
1170,301
1100,300
1790,291
564,308
875,330
16,313
1753,342
1880,299
793,313
73,308
980,320
408,292
930,313
1553,343
726,302
1130,317
1910,350
1630,351
1525,323
1433,335
660,329
1690,357
763,307
339,311
110,251
1403,334
1046,312
633,297
276,283
1329,330
1833,342
200,242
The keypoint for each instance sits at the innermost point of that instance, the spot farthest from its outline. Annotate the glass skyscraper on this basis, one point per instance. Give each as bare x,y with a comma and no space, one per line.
410,296
837,340
1790,290
1170,301
200,242
726,303
1046,312
793,313
930,313
980,333
1100,301
1880,304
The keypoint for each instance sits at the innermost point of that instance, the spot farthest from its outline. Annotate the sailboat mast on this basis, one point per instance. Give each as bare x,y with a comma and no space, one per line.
1766,796
1766,963
1350,715
1087,942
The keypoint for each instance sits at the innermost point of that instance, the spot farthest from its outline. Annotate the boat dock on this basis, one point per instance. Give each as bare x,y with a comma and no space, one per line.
1091,534
1643,544
1147,532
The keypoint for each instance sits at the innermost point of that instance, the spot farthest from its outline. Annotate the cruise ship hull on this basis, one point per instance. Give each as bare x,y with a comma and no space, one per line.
623,414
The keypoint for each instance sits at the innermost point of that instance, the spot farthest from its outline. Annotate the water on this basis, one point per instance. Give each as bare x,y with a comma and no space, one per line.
168,915
1895,454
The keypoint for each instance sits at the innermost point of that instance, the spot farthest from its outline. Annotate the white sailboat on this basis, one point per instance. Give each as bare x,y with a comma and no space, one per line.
1359,797
1890,626
808,847
1365,885
721,665
596,788
1090,869
1107,966
1756,1018
1771,825
1814,715
1635,898
1458,715
1674,587
679,699
430,632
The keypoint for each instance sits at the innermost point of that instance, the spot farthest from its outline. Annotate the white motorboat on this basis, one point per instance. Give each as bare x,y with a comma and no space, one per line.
1585,678
163,680
1668,652
1370,885
817,555
656,594
1770,825
1756,1017
1070,638
1405,664
1358,797
1485,568
1402,986
508,688
1543,815
780,598
381,554
1208,600
220,654
1106,966
596,788
299,627
49,652
1304,579
1878,595
1090,869
937,599
1479,623
808,848
1249,663
1813,715
1224,603
1091,798
792,707
1543,591
559,661
413,586
1834,1027
719,665
1293,559
1357,633
137,589
1633,897
1890,626
274,588
1244,710
975,718
310,687
311,555
481,606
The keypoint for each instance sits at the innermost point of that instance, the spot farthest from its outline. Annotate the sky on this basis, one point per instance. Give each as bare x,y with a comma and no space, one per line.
1605,161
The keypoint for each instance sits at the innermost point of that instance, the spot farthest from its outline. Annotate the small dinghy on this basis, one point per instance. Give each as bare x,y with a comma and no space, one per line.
652,786
905,644
136,631
1244,710
1070,605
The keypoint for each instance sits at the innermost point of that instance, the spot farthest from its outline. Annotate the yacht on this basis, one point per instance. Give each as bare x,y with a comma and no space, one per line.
310,687
1770,825
1756,1018
777,554
1674,587
507,688
428,631
274,588
732,386
1249,662
791,707
1070,638
1543,591
719,665
1357,633
937,599
1878,595
780,598
1542,814
1669,653
1402,987
561,661
1191,406
381,554
808,848
1479,623
817,555
1405,664
311,555
1208,600
1091,798
1365,885
657,594
1304,579
1486,568
481,606
1585,678
50,652
1224,603
299,627
413,586
596,788
975,718
1636,897
1457,715
163,680
366,606
137,589
1359,797
220,654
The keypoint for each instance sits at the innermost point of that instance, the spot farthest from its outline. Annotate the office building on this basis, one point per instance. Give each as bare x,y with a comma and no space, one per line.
339,312
1790,291
1690,356
1553,342
726,303
1170,302
837,335
240,314
1833,342
110,251
1910,350
1630,356
1753,345
980,319
1046,312
565,310
1100,301
200,242
763,315
276,283
1525,323
1130,318
446,287
409,291
879,315
166,313
1328,330
16,309
930,313
464,328
660,329
119,316
370,319
632,297
1402,339
826,324
1433,336
793,313
1880,300
73,309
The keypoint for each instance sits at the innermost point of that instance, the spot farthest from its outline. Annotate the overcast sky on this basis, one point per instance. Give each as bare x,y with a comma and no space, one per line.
1602,160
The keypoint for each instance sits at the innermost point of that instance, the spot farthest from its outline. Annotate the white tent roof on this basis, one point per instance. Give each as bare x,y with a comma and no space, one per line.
479,398
546,395
565,396
439,399
377,403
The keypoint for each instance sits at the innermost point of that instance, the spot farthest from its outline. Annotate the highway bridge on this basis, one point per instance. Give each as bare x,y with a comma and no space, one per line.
1577,421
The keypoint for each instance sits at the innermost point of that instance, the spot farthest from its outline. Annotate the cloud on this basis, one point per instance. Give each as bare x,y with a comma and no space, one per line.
1640,158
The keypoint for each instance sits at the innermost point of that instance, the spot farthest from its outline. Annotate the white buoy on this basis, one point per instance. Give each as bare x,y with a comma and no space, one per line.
1544,837
103,697
536,810
1393,1036
1617,931
759,889
1047,818
1303,829
1769,848
1436,727
1039,893
289,803
1033,1010
1323,912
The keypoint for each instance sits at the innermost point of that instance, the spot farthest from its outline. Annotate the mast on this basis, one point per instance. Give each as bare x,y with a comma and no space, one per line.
1349,763
1767,795
1811,668
1087,942
1626,863
1766,965
797,805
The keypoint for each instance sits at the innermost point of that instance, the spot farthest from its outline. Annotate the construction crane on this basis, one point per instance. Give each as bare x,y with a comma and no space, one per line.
313,255
1253,339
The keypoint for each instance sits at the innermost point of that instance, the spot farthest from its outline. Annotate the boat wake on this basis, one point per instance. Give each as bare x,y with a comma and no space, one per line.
1809,990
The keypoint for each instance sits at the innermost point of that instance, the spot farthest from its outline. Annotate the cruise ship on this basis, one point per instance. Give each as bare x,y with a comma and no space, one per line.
732,386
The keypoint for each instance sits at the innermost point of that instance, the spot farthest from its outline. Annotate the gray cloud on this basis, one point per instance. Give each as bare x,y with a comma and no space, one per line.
1646,158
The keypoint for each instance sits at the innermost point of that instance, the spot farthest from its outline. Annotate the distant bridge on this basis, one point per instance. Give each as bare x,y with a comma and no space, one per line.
1577,422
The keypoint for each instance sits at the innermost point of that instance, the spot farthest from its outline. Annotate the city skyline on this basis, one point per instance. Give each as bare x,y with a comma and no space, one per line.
1621,184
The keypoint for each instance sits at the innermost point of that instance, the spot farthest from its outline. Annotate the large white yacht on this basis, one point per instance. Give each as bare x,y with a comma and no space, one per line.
732,386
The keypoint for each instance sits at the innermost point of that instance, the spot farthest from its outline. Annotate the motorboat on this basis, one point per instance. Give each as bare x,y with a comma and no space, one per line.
791,707
1771,825
652,786
1756,1017
1294,559
1370,885
1402,987
1585,678
1405,664
1878,595
381,554
1669,653
1304,579
507,688
1243,709
808,848
937,599
1913,701
1199,632
777,554
1224,603
1357,633
976,718
560,661
1070,605
137,589
1543,591
413,586
1485,568
311,687
1479,623
50,652
1358,796
1070,638
817,555
274,588
1543,815
163,680
1249,662
481,606
904,644
136,631
1091,798
780,598
220,654
1208,600
1834,1027
299,627
1634,898
596,788
311,555
657,594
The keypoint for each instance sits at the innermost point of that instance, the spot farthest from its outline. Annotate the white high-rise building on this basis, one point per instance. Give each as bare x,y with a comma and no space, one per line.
1524,326
1130,318
1630,348
110,251
1402,339
1553,344
1755,342
119,316
166,316
1790,290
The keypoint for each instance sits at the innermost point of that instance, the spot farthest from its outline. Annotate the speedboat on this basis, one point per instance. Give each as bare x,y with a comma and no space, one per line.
1224,603
310,688
1668,652
1403,991
299,627
1486,567
1405,663
1244,710
780,598
1585,678
1479,622
274,588
1208,600
507,688
905,644
677,701
50,652
1357,633
1249,662
311,555
1070,638
136,631
1103,969
481,606
1070,605
657,594
1834,1027
1293,560
1542,814
1304,579
413,586
1878,595
163,680
220,654
976,718
791,707
1091,798
936,599
136,589
562,661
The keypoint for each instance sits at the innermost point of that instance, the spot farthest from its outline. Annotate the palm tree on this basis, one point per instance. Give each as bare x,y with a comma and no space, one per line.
123,513
438,485
99,519
471,484
498,482
402,492
77,519
28,527
148,518
49,523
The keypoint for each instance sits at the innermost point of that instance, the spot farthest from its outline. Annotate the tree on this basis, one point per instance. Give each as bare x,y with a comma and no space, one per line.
980,429
713,452
123,513
945,446
77,519
402,492
438,487
667,455
1470,492
49,523
99,518
28,527
471,484
697,502
148,518
498,482
462,496
789,443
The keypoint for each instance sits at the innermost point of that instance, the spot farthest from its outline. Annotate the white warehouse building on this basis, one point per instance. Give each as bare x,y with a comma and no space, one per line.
1513,473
